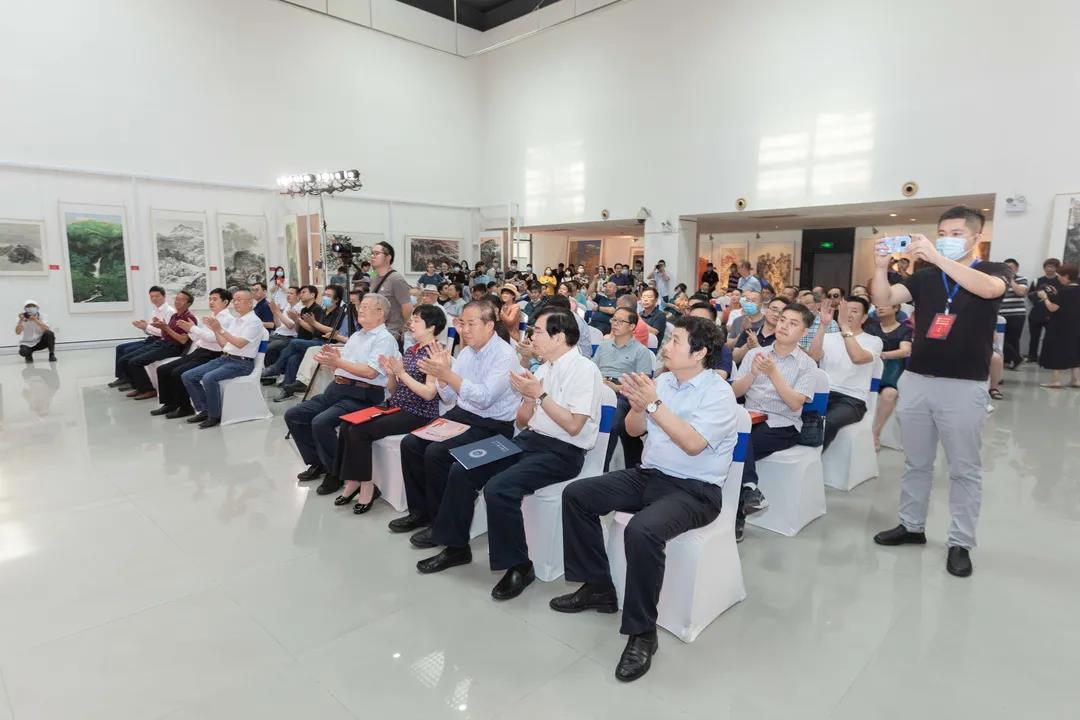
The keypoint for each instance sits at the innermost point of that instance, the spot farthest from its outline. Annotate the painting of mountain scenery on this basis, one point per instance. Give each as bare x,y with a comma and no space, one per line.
243,250
22,248
180,252
423,250
96,255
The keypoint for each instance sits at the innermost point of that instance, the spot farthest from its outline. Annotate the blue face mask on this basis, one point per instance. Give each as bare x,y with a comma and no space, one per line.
750,308
326,301
953,248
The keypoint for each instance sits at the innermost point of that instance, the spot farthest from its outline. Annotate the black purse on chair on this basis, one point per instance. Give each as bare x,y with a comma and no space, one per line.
813,429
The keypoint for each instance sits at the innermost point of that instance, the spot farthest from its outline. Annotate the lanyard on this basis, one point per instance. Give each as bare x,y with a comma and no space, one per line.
950,294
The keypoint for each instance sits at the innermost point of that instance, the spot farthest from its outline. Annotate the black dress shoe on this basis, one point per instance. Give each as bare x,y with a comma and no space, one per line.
314,472
330,484
636,657
180,413
959,562
118,383
361,508
163,410
513,583
448,558
587,597
422,539
268,380
197,418
297,387
127,386
346,499
900,535
209,423
409,523
52,358
284,395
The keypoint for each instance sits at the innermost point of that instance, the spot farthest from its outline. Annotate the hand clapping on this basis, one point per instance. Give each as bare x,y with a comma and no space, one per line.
639,389
762,364
185,324
526,384
438,363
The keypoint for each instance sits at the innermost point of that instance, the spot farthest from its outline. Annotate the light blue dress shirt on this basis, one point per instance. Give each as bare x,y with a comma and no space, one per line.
365,346
485,381
707,403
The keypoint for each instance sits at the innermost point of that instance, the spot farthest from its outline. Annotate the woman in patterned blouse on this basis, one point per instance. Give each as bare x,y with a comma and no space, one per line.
410,390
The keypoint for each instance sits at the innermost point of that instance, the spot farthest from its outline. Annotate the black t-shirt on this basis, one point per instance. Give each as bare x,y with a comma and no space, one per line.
316,312
965,353
710,276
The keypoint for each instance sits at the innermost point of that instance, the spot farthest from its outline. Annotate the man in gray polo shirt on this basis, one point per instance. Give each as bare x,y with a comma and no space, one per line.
620,355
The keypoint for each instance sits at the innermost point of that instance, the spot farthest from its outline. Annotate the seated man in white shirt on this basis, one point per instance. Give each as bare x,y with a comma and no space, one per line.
848,357
689,415
240,344
359,382
777,380
159,310
286,329
559,415
172,394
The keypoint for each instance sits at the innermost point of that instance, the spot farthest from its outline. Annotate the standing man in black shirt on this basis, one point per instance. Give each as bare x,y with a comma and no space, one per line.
710,276
943,394
1039,314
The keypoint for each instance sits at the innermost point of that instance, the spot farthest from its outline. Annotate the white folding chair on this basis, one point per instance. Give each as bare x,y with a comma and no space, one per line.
151,369
703,573
652,343
542,510
851,458
241,397
595,338
523,325
793,480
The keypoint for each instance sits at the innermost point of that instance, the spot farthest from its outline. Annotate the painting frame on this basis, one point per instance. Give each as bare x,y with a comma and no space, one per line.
1064,242
182,217
724,254
259,224
593,249
485,243
291,244
421,249
41,247
97,210
771,253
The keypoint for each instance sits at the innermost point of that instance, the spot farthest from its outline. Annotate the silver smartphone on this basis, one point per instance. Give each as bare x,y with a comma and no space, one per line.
895,243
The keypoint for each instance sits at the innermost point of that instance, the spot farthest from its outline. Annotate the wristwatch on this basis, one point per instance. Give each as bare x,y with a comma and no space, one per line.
653,406
540,399
848,334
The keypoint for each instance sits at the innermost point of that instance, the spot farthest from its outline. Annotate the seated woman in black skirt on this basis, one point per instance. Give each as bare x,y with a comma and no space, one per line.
411,390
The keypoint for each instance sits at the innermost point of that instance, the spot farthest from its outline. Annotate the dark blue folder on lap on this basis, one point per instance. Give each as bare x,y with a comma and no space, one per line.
484,451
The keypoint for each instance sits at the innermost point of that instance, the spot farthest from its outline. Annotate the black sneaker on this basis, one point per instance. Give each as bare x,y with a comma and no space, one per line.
900,535
752,500
284,395
740,526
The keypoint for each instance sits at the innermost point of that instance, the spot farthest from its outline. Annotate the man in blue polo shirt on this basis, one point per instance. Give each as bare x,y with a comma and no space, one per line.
605,308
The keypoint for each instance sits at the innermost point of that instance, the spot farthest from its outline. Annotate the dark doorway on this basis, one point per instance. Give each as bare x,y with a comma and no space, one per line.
827,256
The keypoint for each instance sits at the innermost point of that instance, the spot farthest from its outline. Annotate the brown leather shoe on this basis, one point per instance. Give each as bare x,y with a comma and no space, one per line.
145,395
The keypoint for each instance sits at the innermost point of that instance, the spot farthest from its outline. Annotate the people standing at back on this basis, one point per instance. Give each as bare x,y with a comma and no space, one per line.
1014,310
389,283
1061,346
747,279
1039,316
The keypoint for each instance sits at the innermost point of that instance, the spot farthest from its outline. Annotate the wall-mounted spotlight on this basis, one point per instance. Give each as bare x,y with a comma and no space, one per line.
324,183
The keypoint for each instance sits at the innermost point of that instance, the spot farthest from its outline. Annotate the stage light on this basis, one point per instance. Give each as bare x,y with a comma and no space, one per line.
322,183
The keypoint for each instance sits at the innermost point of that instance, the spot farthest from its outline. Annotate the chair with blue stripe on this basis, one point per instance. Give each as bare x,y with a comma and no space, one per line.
523,325
703,573
241,397
851,458
793,480
595,338
542,511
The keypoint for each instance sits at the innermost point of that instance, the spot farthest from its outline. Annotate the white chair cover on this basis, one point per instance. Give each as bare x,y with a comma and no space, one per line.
151,369
595,338
241,397
851,458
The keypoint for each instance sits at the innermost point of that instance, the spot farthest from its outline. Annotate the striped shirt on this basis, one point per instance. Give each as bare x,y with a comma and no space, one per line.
797,369
813,330
1013,304
485,381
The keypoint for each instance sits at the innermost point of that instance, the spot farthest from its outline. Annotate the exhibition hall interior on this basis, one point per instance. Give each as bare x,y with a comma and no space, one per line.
506,359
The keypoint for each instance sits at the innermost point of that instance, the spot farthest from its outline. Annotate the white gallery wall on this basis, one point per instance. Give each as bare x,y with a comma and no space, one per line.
684,105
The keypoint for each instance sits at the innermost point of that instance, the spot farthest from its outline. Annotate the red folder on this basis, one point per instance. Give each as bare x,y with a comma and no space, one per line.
362,416
757,417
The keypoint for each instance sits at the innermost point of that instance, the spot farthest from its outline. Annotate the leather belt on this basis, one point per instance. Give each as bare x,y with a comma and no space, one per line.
349,381
238,357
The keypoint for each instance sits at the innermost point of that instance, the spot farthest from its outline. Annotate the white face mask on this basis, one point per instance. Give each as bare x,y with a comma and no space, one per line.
953,248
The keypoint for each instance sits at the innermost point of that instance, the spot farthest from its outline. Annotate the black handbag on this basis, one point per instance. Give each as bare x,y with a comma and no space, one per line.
813,429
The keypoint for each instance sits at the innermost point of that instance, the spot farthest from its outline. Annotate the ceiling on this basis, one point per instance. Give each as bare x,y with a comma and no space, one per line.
480,14
607,228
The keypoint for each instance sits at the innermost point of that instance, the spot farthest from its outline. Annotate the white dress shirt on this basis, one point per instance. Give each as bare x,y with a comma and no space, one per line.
485,381
845,376
708,404
284,330
204,337
573,381
164,312
31,333
365,346
250,328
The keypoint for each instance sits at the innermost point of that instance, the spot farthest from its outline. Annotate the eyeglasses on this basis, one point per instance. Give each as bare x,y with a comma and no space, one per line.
379,252
619,321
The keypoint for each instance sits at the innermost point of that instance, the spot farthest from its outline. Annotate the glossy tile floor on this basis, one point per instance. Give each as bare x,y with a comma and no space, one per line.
150,570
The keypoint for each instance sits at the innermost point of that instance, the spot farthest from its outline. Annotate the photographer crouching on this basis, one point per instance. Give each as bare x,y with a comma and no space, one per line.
35,332
943,394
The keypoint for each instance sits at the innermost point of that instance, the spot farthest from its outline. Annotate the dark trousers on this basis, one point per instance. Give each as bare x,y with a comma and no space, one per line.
664,507
1014,328
355,441
123,350
314,422
764,441
47,341
171,390
543,461
632,446
427,466
274,347
291,357
1036,324
127,372
843,410
137,362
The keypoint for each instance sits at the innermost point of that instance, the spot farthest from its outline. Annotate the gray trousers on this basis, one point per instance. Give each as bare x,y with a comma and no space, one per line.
952,411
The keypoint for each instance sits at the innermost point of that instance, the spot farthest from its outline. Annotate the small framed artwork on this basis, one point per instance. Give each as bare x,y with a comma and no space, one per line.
22,247
180,258
96,258
423,249
243,249
775,262
1065,235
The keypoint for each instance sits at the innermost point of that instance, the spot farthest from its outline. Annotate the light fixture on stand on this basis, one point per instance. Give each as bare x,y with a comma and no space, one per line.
322,184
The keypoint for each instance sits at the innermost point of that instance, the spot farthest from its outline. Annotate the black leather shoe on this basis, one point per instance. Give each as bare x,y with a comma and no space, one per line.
636,657
209,423
346,499
448,558
297,387
52,358
330,484
268,380
409,523
900,535
284,395
180,413
314,472
587,597
361,508
197,418
513,583
959,562
422,539
126,387
163,410
118,383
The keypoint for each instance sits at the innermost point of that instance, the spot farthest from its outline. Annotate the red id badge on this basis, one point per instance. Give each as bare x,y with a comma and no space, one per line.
940,326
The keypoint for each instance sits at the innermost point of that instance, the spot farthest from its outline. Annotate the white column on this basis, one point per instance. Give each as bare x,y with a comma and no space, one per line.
676,245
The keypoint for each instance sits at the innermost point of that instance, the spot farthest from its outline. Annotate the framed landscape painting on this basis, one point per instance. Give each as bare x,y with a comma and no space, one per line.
775,262
1065,235
96,262
180,253
292,251
584,252
22,247
424,249
243,249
